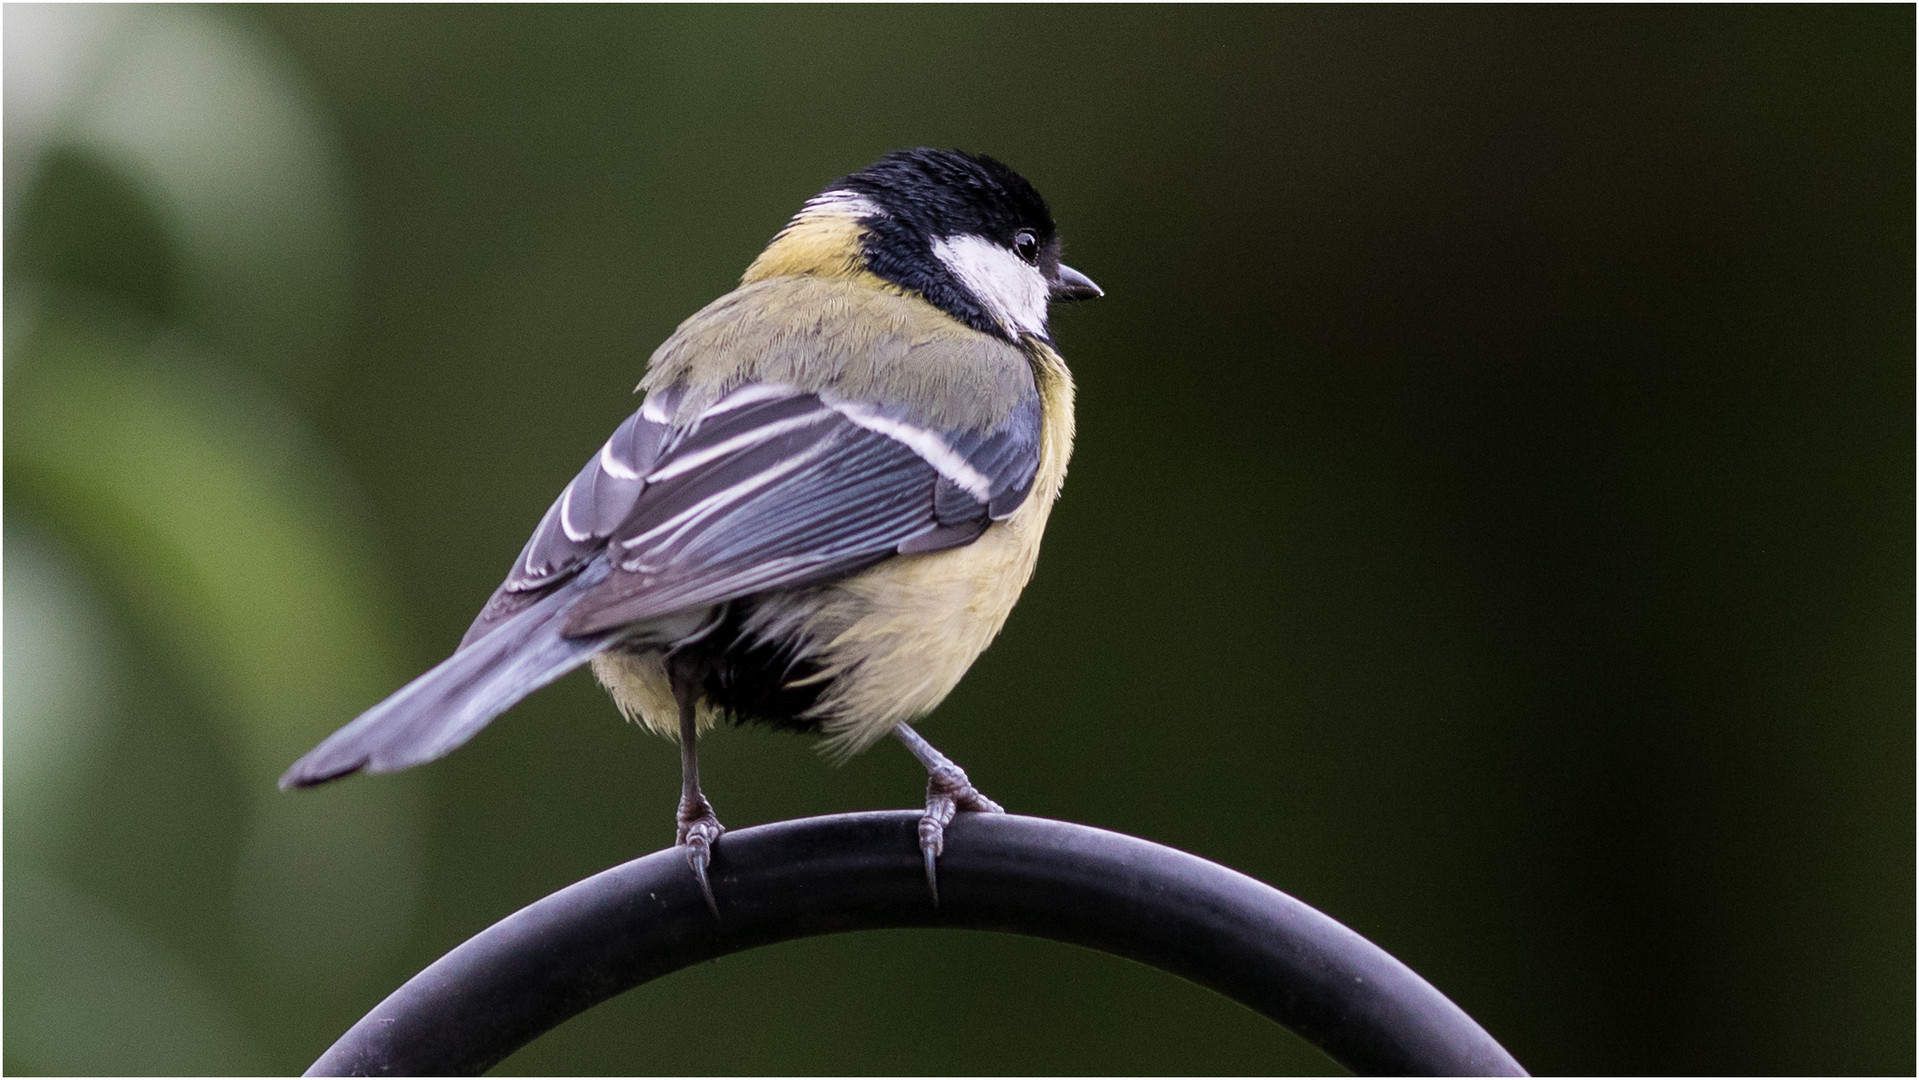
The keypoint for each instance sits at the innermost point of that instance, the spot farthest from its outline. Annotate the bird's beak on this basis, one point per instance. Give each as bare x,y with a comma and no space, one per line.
1073,285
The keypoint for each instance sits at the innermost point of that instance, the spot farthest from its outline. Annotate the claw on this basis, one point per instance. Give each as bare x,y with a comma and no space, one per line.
697,856
939,813
947,792
699,827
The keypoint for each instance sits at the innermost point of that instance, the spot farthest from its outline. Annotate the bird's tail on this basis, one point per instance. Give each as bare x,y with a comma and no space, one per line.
435,713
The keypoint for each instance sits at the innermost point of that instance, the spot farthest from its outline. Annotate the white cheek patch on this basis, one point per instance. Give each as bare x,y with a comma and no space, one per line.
1012,292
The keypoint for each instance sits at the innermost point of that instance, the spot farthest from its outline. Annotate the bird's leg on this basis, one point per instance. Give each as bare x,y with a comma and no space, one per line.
947,792
698,825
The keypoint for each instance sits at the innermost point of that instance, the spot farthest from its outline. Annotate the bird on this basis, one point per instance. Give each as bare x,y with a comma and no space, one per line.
823,511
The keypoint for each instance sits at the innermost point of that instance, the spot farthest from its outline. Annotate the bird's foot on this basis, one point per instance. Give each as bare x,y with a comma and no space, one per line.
699,827
947,792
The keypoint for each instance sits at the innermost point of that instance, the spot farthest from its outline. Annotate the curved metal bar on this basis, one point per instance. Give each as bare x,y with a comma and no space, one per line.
611,932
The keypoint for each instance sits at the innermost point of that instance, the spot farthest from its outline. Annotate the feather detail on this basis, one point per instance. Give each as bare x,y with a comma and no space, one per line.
437,712
772,488
863,344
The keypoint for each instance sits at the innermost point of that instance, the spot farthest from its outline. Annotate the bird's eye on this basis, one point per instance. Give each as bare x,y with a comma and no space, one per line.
1026,246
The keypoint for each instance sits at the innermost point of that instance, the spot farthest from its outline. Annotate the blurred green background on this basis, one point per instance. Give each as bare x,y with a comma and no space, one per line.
1493,519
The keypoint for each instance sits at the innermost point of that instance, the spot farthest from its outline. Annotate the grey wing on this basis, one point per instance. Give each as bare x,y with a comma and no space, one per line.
769,488
773,488
588,511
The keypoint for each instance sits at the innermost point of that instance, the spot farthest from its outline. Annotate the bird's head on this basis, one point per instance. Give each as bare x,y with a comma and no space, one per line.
963,231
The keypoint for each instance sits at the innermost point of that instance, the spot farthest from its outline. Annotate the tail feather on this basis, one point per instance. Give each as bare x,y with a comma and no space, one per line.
435,713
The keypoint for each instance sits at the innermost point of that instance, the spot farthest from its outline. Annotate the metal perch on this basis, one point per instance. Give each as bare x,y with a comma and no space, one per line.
636,922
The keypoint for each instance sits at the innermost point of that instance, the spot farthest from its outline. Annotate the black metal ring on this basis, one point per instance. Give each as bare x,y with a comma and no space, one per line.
611,932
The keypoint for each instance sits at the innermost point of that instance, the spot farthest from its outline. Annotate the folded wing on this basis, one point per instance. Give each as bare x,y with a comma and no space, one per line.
772,488
767,488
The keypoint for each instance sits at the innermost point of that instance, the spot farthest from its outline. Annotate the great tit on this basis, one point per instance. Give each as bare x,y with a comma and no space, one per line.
823,511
